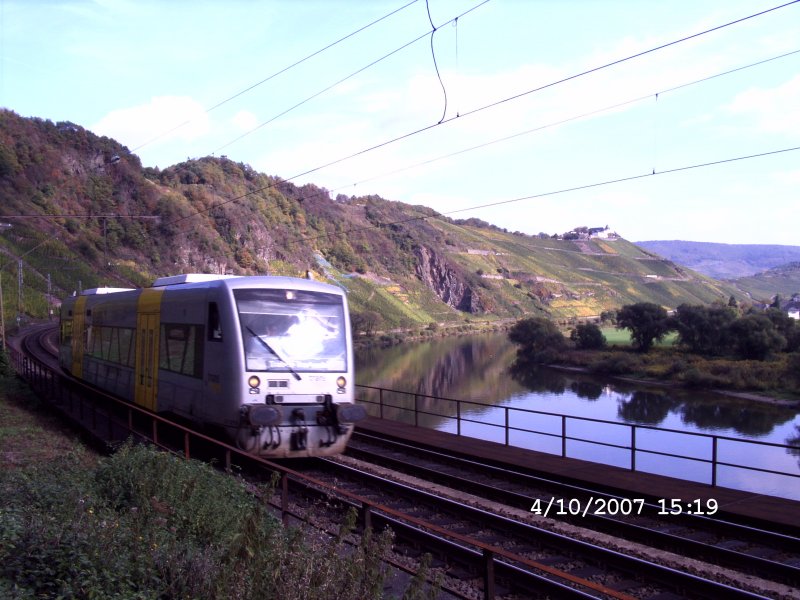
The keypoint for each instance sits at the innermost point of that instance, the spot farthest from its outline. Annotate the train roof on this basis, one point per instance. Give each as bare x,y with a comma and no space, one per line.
189,278
104,290
201,280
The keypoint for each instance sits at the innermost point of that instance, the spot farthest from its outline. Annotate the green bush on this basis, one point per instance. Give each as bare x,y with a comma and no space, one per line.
695,378
148,525
617,363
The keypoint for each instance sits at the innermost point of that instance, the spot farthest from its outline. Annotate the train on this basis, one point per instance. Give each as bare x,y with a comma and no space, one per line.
266,362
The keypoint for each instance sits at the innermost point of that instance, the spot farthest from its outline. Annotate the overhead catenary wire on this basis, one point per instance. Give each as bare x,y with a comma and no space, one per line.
433,56
277,73
353,74
537,89
485,107
566,120
552,193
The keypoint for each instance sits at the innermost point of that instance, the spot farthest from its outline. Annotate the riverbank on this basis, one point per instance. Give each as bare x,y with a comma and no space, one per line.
775,382
394,337
782,402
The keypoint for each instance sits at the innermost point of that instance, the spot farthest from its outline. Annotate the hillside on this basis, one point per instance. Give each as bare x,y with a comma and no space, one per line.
724,261
85,212
783,280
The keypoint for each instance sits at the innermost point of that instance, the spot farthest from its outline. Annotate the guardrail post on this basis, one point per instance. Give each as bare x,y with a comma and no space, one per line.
366,510
564,435
155,431
416,411
488,574
633,447
186,445
380,400
714,461
458,417
505,409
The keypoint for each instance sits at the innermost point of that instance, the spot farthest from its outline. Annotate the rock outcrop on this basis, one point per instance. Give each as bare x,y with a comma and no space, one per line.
446,282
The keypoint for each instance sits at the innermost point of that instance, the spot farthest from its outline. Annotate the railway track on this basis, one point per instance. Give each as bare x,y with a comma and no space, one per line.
482,553
717,539
531,551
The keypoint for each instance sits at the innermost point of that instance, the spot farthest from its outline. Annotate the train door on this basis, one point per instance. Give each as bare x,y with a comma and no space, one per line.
148,319
79,340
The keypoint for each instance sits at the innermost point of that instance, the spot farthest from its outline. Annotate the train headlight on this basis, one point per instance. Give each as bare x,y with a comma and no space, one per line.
341,382
254,381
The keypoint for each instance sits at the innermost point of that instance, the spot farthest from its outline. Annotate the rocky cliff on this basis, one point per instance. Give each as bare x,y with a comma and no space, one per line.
446,282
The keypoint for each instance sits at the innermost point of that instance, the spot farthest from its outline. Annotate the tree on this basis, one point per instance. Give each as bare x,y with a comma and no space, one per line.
755,337
540,340
704,329
365,322
587,336
609,316
786,326
646,321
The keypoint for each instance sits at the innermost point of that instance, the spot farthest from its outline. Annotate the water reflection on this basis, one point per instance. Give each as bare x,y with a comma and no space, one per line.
479,368
590,390
646,407
539,379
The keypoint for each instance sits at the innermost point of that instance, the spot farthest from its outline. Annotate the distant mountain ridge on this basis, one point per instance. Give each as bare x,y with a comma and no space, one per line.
724,261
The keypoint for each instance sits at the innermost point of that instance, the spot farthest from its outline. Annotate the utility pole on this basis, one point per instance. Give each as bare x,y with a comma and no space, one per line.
2,308
19,293
49,298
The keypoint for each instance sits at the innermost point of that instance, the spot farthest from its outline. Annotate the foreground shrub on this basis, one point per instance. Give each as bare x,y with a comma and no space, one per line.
147,525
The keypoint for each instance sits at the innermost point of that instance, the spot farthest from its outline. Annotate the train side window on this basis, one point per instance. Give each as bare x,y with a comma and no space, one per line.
214,325
126,341
181,349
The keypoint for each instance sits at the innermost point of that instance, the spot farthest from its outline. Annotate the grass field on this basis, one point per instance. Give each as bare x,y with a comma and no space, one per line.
622,337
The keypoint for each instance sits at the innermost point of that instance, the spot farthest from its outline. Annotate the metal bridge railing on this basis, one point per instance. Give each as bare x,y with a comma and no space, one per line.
424,410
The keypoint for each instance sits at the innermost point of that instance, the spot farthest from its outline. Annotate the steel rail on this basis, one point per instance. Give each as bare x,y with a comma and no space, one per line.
670,577
620,528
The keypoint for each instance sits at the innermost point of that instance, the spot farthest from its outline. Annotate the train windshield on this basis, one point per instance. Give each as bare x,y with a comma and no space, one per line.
292,330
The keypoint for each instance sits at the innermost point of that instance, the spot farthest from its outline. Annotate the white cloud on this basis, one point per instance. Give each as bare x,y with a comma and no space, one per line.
244,120
163,118
772,110
787,177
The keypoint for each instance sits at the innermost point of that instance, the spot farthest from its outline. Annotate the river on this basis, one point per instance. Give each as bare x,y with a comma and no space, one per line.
477,369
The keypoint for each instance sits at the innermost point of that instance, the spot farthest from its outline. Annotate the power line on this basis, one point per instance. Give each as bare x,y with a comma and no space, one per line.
486,107
433,55
353,74
280,72
566,120
553,193
537,89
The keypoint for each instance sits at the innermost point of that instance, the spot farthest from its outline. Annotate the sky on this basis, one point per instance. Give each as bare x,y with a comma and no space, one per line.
541,112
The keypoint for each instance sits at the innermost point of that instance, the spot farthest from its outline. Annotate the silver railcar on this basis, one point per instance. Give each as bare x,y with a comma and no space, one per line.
266,360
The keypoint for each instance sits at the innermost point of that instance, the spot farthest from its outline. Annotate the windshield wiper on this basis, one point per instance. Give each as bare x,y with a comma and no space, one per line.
271,350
